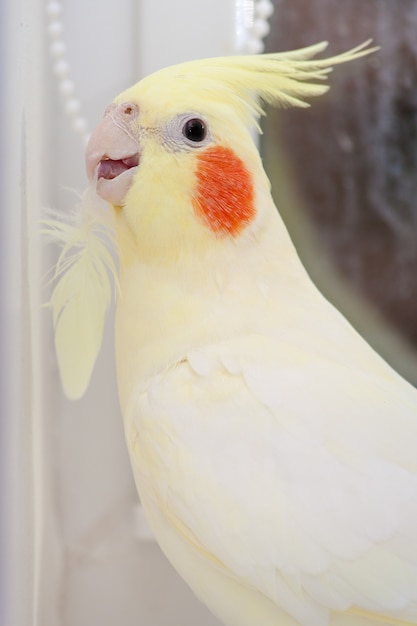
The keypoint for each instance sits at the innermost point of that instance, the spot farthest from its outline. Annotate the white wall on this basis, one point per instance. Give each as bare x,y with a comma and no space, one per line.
73,553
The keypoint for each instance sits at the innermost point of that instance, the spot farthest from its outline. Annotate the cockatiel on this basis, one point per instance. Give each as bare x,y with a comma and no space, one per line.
275,453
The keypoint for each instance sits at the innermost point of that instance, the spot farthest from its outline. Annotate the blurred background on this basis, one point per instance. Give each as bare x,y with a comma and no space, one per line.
344,173
75,549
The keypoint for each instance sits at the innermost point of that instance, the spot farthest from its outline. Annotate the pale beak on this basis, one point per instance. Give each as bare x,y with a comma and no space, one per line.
112,155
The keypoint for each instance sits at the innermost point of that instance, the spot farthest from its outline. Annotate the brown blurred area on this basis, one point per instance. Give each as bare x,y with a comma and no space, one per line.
347,167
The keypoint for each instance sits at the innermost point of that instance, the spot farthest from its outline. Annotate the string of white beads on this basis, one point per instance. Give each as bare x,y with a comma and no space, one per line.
256,14
262,10
62,70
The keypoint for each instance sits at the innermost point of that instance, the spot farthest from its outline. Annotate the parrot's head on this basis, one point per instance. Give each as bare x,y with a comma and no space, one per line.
174,154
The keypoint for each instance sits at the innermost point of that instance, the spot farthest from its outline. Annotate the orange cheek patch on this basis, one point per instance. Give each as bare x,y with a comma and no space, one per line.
224,196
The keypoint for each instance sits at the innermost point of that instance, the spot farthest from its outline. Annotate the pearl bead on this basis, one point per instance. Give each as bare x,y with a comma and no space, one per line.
260,28
255,46
58,48
55,29
61,68
264,8
66,87
80,125
53,8
72,106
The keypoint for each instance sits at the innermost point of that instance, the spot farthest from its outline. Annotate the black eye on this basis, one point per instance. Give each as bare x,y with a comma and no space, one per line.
195,130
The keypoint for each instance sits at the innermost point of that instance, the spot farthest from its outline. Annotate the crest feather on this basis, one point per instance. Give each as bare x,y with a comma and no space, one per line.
286,78
282,79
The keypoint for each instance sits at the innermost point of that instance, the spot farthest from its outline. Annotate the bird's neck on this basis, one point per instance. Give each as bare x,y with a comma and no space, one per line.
199,297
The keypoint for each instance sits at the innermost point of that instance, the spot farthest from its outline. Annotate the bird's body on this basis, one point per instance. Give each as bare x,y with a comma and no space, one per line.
273,450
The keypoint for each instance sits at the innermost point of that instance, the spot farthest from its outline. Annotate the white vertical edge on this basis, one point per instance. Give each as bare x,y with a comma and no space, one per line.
39,154
30,562
16,454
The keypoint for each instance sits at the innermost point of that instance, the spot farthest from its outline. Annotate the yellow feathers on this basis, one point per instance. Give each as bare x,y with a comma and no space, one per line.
82,293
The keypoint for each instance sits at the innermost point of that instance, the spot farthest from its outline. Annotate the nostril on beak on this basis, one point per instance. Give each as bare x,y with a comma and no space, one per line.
126,110
129,109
